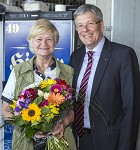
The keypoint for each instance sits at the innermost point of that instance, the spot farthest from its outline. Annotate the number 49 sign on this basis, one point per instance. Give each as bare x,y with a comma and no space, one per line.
12,28
16,44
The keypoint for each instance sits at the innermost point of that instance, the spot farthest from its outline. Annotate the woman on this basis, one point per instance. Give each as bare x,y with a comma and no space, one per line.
43,37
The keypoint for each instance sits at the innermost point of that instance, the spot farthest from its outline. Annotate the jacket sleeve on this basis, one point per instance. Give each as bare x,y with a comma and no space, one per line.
130,93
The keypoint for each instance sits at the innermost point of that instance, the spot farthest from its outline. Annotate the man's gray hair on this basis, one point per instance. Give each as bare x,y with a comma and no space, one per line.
88,8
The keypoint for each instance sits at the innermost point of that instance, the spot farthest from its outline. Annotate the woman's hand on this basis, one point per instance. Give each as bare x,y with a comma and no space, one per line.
7,113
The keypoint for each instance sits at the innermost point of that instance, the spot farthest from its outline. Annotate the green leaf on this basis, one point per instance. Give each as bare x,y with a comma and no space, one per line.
47,89
45,111
47,127
38,126
18,121
47,118
38,100
29,132
21,123
35,123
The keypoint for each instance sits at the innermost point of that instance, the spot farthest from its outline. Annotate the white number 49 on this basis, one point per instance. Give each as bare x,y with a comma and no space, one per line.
12,28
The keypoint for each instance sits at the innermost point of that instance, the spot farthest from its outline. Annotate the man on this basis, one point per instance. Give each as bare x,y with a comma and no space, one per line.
110,91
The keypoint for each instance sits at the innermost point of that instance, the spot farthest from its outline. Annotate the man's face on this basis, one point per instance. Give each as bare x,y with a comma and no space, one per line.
90,30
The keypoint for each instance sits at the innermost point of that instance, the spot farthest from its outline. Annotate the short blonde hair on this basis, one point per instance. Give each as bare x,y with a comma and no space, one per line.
41,26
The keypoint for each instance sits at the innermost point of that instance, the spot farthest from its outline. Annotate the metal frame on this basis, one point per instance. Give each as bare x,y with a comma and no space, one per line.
1,74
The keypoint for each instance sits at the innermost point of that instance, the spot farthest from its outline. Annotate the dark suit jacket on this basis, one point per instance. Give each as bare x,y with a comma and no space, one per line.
115,97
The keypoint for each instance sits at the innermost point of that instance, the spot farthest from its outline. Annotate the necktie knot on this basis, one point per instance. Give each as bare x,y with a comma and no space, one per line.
90,54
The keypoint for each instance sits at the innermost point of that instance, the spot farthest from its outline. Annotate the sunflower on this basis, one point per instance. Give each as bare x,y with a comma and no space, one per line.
47,82
56,98
32,113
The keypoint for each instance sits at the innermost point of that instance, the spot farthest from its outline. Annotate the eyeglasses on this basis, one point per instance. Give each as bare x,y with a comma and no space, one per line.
87,25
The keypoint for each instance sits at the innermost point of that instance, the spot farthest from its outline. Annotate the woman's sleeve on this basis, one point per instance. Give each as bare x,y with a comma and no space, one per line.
8,92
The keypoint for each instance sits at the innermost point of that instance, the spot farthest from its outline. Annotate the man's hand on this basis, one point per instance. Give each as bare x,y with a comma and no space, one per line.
61,126
59,129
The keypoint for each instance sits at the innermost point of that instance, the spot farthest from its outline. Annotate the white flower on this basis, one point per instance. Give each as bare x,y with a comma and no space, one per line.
46,95
35,84
17,113
40,93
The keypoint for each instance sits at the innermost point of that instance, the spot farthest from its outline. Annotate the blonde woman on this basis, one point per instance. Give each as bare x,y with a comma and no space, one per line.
43,37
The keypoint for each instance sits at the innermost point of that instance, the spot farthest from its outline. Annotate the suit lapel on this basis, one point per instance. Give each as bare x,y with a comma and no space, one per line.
100,70
101,67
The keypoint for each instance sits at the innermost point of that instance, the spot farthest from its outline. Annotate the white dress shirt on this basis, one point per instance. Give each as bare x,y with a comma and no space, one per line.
95,58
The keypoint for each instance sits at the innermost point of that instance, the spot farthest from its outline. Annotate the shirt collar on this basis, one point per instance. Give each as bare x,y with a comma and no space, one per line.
98,48
52,66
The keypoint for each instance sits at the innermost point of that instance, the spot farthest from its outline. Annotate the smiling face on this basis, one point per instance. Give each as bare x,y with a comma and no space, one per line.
90,29
43,37
43,44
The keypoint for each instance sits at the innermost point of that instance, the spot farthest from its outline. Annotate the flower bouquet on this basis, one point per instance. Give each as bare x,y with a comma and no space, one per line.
40,106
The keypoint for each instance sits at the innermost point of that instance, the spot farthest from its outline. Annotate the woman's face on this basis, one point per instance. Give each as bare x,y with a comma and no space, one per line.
90,30
44,44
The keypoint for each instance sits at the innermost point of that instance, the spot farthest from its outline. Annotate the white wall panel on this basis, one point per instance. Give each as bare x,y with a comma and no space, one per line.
126,28
126,23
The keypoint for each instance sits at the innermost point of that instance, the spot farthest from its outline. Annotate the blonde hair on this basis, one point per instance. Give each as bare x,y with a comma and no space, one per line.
41,26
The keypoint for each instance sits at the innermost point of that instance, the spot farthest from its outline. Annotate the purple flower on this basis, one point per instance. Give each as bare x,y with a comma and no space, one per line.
29,93
44,103
17,109
56,88
68,96
25,104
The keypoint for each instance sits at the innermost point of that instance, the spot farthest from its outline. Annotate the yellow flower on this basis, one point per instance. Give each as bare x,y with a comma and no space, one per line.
47,82
49,117
13,105
52,115
51,105
32,113
55,110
